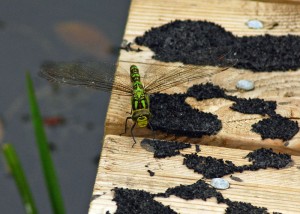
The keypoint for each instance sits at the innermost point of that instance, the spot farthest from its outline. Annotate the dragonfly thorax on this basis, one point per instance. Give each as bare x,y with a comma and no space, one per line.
139,100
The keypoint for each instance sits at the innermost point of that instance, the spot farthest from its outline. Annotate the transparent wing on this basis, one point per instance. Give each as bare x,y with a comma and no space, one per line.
159,78
95,75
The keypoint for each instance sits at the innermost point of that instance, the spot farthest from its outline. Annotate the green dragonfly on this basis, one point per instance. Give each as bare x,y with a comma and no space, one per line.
156,78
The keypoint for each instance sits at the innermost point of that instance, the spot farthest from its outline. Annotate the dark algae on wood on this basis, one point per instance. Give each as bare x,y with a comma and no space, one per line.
162,148
130,201
140,201
172,115
254,106
206,91
276,127
201,190
202,43
198,190
188,42
151,173
211,167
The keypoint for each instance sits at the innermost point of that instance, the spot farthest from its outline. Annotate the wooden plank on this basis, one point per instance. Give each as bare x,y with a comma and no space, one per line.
283,87
124,166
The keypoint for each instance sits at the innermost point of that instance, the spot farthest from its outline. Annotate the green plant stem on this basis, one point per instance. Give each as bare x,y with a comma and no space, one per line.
44,153
15,167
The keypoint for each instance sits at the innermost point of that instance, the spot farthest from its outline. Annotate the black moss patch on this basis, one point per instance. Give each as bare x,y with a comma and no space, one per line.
188,42
264,158
172,115
235,207
206,91
276,127
198,190
151,173
202,190
246,106
138,201
211,167
268,53
254,106
162,148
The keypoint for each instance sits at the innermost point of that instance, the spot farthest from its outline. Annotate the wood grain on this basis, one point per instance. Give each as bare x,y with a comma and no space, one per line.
283,87
124,166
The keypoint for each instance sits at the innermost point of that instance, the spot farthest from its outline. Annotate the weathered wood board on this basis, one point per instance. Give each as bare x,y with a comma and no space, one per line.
283,87
124,166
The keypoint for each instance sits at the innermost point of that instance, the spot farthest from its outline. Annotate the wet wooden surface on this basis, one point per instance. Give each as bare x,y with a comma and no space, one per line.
123,167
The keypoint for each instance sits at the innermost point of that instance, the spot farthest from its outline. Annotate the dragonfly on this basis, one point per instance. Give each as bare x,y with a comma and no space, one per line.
156,78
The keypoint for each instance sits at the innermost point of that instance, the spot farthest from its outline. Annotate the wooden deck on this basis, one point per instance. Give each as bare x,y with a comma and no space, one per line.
123,166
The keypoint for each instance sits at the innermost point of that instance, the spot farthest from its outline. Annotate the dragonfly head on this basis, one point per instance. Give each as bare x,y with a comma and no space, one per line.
142,121
141,117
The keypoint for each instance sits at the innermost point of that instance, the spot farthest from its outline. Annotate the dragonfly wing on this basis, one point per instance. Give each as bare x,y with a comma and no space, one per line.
89,74
163,77
180,75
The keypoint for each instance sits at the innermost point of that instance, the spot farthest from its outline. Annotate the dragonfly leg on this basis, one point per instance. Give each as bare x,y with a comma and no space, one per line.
132,134
129,112
125,125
